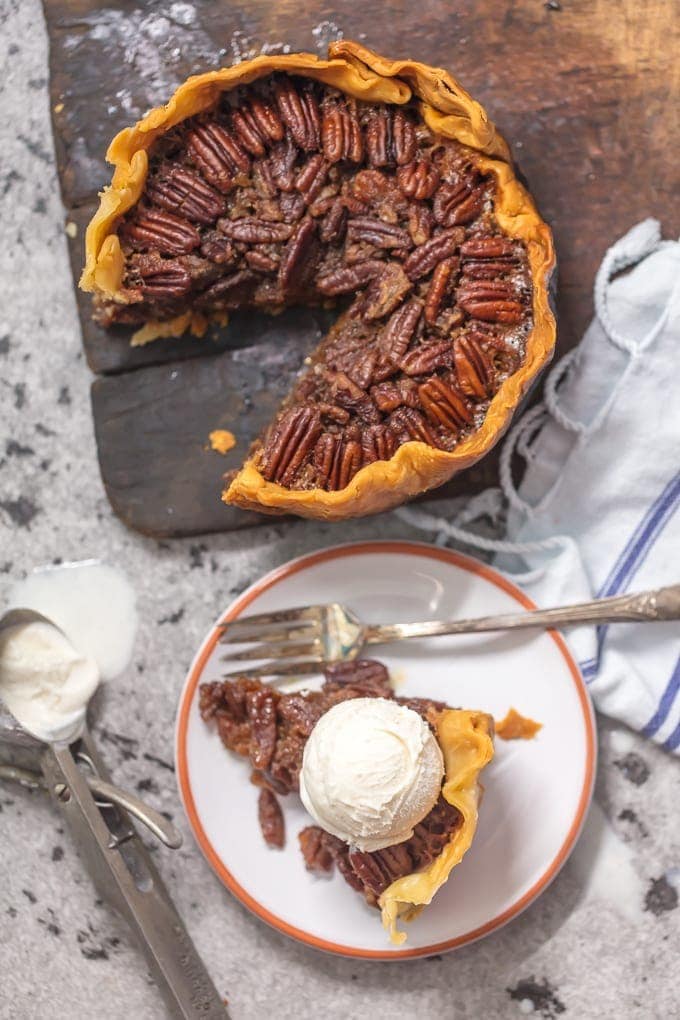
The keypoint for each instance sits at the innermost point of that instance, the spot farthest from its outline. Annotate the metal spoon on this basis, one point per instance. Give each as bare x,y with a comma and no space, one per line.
99,815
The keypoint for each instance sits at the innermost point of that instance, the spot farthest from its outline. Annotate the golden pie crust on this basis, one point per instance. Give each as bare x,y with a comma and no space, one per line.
448,110
466,740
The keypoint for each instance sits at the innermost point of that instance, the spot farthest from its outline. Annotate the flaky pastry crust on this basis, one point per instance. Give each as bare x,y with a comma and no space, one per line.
466,740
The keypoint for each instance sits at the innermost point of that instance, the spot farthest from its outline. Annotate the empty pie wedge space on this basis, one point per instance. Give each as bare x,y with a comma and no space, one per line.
378,188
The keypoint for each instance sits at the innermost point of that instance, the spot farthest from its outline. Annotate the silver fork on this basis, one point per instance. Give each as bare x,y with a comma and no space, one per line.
299,641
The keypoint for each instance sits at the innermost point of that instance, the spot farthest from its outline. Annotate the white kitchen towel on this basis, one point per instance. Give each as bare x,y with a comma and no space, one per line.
596,512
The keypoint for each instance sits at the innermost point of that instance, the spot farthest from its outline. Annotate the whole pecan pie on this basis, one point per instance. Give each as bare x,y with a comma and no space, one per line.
271,730
377,186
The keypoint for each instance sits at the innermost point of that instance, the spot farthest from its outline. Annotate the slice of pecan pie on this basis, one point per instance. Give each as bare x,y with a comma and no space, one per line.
271,730
379,187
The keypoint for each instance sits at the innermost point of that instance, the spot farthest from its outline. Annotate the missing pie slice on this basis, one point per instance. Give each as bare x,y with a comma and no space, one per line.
272,729
379,187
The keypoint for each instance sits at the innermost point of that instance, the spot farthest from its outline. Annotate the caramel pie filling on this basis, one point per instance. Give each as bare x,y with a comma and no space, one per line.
285,192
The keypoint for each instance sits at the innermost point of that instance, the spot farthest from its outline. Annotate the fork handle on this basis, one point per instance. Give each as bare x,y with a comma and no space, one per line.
661,604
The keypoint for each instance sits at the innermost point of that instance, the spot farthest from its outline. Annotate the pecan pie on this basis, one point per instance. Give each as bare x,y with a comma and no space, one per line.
271,729
379,187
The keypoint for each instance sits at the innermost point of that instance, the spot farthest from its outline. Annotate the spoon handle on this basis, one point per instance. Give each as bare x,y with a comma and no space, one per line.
125,875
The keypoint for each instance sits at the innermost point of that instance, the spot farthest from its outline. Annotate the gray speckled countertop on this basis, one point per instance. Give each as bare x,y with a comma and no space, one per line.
601,942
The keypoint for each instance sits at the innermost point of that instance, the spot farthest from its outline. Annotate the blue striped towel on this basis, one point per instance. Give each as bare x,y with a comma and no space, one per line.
596,512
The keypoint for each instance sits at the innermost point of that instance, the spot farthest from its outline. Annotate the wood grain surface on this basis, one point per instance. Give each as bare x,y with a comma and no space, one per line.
587,93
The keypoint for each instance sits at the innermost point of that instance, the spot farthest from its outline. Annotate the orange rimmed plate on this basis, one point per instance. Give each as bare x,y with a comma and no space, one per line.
536,792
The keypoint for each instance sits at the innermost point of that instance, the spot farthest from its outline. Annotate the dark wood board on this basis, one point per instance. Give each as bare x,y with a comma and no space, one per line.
154,425
585,90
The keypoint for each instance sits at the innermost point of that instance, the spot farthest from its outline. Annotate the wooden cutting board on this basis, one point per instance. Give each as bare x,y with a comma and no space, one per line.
587,92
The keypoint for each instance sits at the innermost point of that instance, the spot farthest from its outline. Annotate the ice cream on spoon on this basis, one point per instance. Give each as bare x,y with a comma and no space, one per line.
44,682
76,626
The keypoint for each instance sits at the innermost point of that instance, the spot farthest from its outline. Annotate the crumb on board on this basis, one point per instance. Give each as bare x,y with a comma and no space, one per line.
59,107
71,229
222,441
517,727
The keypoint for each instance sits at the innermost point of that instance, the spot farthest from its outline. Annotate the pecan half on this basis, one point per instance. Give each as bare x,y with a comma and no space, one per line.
312,177
185,194
409,424
474,368
487,269
263,261
425,257
420,223
229,292
490,301
256,125
388,396
298,262
254,231
378,443
485,290
379,138
487,248
360,367
380,868
340,852
282,162
332,412
217,154
404,141
432,834
348,342
218,249
386,292
334,223
292,439
299,112
427,358
367,674
271,819
348,278
336,461
377,233
443,404
397,334
340,133
390,138
315,849
163,279
418,179
439,289
161,231
457,203
261,712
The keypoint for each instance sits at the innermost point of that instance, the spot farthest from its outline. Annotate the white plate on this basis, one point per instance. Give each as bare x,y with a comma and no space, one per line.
536,791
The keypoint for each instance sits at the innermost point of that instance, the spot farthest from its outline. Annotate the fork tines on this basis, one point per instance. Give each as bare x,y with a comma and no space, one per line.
239,631
284,634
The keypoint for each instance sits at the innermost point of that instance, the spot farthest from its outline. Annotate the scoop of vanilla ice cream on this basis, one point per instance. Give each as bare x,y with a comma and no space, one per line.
44,682
371,770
